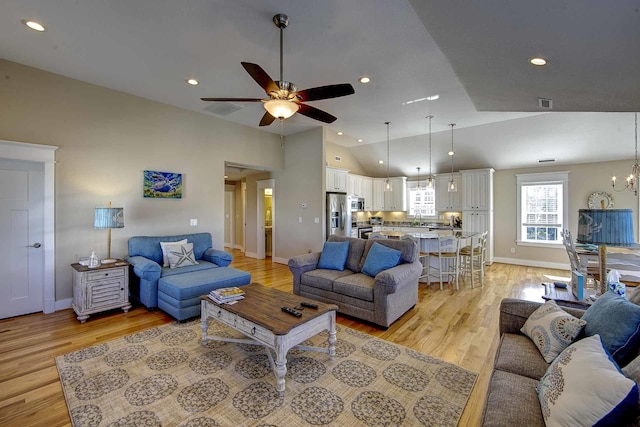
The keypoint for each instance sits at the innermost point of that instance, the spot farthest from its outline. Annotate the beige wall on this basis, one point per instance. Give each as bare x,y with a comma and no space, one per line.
348,160
106,139
302,181
584,179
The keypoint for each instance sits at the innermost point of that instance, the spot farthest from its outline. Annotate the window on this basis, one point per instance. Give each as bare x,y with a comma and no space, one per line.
421,201
542,202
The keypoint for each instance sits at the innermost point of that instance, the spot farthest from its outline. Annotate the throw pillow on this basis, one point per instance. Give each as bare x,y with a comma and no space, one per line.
379,258
163,246
552,329
181,255
583,386
632,370
617,321
334,255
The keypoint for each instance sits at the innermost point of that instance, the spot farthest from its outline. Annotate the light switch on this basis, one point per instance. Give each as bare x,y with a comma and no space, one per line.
300,219
194,222
316,220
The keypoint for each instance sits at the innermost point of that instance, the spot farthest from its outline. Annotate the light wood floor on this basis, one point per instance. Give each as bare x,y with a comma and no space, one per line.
456,326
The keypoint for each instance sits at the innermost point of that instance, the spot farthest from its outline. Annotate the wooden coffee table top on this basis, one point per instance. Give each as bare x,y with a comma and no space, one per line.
262,305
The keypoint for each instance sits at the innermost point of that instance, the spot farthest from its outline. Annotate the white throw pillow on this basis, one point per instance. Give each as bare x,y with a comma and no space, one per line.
181,255
163,246
584,387
552,329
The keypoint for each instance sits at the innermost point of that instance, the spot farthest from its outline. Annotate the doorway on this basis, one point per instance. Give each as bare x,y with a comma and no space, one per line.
28,229
266,218
229,216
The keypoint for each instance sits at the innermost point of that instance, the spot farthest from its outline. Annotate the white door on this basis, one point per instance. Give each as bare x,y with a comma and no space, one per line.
21,237
229,229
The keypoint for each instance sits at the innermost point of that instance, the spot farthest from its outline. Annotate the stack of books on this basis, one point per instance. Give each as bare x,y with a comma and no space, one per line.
226,295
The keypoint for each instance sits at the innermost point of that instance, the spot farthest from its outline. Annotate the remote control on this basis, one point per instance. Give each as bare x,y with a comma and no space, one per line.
291,311
310,305
560,285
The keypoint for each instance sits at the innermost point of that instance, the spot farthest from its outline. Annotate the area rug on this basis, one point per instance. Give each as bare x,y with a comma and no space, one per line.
165,376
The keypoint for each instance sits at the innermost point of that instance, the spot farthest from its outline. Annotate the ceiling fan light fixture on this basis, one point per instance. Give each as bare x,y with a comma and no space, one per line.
280,108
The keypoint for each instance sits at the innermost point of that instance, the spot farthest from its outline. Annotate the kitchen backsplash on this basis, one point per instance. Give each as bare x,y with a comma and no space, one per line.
399,219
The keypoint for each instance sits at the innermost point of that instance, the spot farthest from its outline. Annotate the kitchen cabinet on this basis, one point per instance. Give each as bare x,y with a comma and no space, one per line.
336,179
395,200
367,192
477,189
446,201
478,221
354,185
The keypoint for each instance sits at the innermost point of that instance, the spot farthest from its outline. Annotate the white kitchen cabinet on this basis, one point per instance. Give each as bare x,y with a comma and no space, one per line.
378,194
446,201
478,221
336,179
354,185
477,189
396,199
367,192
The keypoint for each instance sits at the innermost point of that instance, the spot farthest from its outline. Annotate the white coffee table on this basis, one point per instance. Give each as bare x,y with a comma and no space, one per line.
260,318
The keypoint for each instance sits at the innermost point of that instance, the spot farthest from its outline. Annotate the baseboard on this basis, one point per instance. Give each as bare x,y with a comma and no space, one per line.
284,261
63,304
251,255
239,247
530,263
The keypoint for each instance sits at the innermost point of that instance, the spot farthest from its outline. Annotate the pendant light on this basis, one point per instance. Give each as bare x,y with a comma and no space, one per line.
631,181
419,187
387,182
430,176
453,186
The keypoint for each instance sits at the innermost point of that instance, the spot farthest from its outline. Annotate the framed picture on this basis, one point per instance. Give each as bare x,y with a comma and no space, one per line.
162,185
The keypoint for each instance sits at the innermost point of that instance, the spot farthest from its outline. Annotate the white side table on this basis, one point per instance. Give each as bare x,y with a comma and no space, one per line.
100,288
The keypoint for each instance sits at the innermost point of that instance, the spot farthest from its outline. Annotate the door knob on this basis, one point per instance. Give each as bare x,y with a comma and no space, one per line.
35,245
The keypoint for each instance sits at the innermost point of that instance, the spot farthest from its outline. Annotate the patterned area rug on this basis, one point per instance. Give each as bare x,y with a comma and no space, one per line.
165,376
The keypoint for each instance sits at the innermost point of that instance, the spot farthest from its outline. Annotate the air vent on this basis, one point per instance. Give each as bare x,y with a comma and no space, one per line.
546,160
337,158
545,103
223,108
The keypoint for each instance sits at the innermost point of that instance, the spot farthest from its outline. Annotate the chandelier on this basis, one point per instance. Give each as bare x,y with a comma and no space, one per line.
631,181
453,185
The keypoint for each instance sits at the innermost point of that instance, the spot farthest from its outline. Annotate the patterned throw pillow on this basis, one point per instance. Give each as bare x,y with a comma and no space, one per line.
552,329
584,387
163,246
181,255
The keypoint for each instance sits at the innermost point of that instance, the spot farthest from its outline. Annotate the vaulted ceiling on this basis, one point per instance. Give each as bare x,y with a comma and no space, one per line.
474,55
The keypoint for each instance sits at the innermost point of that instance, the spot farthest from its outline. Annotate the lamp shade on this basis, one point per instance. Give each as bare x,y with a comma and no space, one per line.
109,218
605,226
281,108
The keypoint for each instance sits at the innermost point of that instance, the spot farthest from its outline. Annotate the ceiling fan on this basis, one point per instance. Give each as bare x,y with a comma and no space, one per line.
284,97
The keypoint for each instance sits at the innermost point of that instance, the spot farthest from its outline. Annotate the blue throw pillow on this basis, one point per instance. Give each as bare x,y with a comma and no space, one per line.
617,321
379,258
334,255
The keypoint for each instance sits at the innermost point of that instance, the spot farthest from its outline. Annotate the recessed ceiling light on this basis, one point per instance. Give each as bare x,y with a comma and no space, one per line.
360,140
36,26
381,162
193,82
364,79
538,61
340,133
451,153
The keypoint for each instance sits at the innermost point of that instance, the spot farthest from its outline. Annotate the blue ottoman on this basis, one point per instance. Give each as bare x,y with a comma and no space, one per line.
179,294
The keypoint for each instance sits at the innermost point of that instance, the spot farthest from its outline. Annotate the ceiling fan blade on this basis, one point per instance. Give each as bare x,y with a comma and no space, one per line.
267,119
261,77
325,92
314,113
232,99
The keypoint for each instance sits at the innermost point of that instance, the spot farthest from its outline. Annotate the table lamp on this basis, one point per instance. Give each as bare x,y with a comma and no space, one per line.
108,218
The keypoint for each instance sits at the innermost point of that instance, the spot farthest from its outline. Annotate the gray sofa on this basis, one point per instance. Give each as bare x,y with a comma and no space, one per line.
380,300
512,399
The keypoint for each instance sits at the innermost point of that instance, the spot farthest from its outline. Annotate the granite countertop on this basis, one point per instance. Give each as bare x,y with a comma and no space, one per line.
426,235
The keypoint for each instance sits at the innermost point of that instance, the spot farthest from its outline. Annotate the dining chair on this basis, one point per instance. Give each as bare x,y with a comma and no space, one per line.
376,235
423,257
473,258
590,272
448,260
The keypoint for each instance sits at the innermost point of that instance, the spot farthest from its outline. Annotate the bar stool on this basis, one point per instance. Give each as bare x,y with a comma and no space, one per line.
448,256
473,259
422,256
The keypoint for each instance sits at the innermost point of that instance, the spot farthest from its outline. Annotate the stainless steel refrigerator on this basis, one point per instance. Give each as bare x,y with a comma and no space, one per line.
338,215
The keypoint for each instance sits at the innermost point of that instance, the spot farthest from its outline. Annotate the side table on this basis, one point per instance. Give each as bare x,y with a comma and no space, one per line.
101,288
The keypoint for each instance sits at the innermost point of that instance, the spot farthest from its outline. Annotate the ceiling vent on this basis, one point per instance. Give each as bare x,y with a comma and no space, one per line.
546,160
223,108
545,103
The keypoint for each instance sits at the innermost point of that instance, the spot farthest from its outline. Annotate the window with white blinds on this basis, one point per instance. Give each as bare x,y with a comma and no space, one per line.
542,207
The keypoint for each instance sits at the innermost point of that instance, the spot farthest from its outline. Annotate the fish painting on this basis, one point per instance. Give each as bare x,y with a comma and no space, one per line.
162,185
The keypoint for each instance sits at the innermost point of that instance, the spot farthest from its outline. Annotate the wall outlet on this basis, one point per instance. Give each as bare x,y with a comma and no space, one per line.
513,250
193,222
316,220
